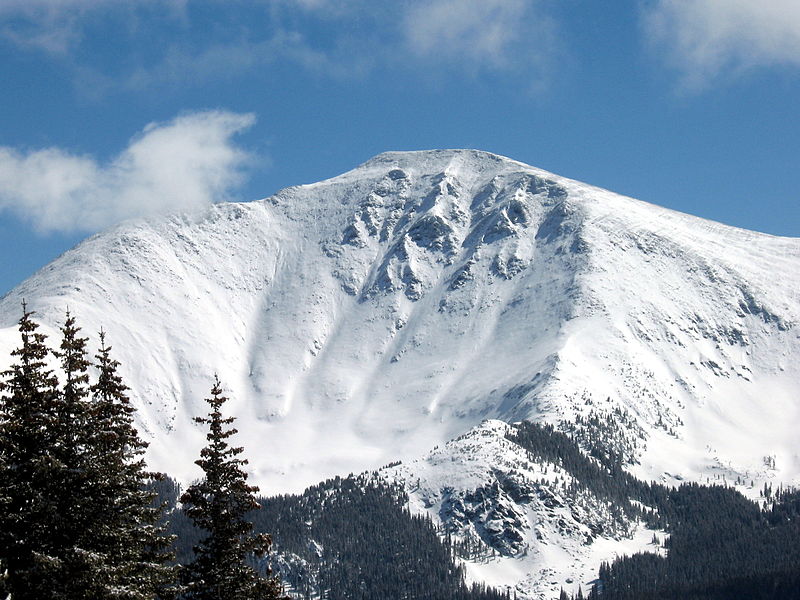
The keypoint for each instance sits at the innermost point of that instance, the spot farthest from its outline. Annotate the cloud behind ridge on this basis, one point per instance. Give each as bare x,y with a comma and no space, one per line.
184,164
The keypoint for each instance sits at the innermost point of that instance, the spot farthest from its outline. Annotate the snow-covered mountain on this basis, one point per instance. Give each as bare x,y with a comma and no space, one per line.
526,527
369,317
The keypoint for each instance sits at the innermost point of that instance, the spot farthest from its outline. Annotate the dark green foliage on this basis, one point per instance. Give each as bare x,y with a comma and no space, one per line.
359,542
126,528
219,505
182,531
77,566
353,538
604,475
78,523
721,547
613,438
30,466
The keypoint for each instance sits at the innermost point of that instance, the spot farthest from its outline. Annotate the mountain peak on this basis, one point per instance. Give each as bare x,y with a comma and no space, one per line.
422,292
456,161
439,156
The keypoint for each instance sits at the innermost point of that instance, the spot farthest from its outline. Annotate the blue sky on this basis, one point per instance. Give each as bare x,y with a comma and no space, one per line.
112,110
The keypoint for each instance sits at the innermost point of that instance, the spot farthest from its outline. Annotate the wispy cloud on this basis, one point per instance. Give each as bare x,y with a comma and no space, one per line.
340,39
181,66
706,39
480,33
489,35
57,26
49,26
184,164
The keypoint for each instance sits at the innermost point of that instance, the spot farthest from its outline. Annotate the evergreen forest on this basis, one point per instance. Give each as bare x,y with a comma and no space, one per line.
719,544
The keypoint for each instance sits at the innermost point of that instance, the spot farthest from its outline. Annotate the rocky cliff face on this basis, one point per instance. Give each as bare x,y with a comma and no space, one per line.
518,522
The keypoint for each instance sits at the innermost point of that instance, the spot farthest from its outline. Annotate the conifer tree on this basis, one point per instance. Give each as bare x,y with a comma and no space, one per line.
124,533
219,504
30,469
75,519
77,565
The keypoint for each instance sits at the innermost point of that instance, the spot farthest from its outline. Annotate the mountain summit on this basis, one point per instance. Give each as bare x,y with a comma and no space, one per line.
368,317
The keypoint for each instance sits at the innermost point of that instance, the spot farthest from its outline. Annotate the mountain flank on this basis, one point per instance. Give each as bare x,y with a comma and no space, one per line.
367,318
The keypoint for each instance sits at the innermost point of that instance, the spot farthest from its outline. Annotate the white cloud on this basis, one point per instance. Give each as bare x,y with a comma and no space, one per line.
185,164
472,34
459,35
183,67
56,26
336,38
484,33
708,38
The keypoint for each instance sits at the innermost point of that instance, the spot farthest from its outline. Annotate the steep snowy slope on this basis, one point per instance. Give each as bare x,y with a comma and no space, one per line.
366,318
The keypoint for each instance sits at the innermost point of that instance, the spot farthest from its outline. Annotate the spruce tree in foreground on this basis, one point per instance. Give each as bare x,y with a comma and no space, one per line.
29,468
75,519
77,566
218,505
125,530
112,547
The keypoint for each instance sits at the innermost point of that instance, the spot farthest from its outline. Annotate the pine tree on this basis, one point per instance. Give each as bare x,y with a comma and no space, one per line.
30,469
219,504
75,520
78,566
124,534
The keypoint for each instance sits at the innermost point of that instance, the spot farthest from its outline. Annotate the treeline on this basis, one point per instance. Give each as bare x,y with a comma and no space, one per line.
361,542
353,538
613,437
720,545
602,474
